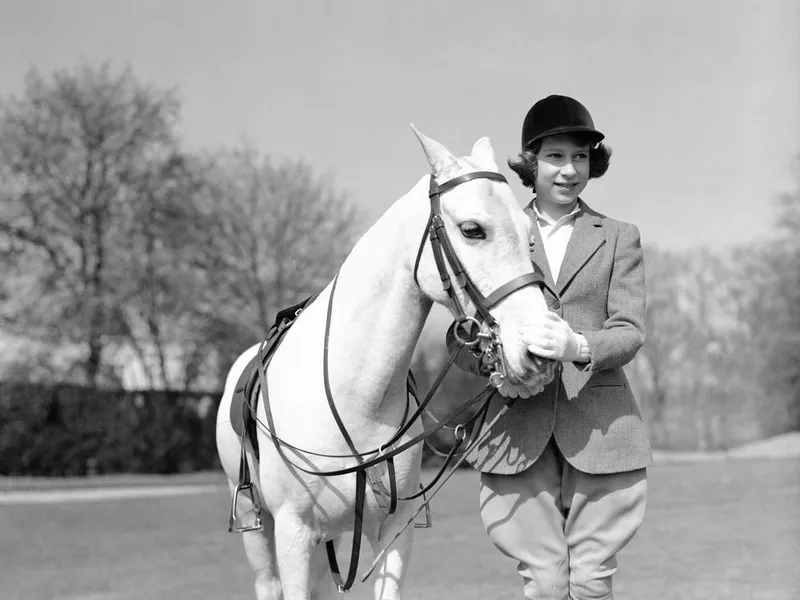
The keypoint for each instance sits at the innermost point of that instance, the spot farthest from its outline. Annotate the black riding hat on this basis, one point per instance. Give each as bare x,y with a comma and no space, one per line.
554,115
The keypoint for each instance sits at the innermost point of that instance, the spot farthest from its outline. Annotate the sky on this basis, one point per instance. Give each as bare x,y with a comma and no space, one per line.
700,100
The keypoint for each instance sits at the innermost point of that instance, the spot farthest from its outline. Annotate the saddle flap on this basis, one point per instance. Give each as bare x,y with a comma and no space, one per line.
242,399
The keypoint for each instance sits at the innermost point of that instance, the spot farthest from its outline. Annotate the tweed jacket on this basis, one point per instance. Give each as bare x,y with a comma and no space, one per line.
589,408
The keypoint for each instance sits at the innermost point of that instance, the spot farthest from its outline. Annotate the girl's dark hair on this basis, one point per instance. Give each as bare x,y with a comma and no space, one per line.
525,165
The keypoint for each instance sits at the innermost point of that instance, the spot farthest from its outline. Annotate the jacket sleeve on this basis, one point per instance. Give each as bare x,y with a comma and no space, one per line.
623,331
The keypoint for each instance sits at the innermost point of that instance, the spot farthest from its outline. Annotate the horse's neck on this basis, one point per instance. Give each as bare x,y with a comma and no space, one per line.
378,310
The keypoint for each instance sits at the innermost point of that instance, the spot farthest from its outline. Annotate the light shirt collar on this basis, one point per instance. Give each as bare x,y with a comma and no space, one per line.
557,223
555,236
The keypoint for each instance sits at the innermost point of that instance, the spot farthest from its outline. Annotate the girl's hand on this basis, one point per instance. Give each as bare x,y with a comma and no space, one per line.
511,390
552,337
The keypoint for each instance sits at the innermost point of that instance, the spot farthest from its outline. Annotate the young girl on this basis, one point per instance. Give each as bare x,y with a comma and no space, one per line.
563,473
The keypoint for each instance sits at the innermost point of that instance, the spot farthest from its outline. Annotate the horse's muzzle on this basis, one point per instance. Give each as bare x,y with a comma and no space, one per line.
535,370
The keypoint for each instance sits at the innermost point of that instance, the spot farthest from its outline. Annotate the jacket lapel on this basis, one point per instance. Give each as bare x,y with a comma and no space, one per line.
538,255
587,236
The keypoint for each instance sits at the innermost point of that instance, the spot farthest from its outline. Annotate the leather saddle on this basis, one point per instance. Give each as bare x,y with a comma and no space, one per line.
248,387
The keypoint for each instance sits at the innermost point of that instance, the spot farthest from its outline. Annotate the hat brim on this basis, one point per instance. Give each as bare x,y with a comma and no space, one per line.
598,137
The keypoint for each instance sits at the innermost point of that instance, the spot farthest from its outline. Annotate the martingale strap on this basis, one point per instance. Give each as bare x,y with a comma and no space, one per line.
361,474
330,549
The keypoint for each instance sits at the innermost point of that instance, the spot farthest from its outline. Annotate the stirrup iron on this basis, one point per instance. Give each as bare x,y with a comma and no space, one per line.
233,524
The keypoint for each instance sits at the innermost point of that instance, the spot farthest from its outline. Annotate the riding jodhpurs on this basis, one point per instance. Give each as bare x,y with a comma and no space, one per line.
563,526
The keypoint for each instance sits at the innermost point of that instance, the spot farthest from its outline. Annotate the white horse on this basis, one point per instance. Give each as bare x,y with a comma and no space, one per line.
382,298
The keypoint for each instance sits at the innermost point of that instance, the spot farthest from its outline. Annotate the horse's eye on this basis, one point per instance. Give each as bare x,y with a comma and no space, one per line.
473,231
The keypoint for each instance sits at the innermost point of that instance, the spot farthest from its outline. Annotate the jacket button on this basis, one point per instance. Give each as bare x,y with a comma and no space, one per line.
555,304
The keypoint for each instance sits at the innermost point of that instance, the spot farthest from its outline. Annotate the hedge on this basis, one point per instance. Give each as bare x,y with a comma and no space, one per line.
74,430
67,430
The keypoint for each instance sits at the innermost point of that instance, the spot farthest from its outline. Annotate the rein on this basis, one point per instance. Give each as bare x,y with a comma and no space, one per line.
465,334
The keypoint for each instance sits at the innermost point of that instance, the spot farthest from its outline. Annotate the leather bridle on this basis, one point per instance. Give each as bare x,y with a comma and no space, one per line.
467,330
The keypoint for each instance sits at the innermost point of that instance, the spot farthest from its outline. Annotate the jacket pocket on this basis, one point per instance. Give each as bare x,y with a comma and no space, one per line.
606,380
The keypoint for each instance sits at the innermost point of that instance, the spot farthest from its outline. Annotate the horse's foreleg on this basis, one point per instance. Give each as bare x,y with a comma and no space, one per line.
259,546
391,571
295,545
260,549
322,581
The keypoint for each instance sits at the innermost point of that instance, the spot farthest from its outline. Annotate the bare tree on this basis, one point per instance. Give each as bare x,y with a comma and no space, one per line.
137,253
78,153
767,294
773,312
657,370
789,349
270,236
721,362
689,374
159,292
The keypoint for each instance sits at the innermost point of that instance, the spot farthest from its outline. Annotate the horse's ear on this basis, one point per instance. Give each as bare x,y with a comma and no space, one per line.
440,158
483,154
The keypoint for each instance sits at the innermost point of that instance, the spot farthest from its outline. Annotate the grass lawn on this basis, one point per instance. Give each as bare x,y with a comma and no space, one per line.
714,530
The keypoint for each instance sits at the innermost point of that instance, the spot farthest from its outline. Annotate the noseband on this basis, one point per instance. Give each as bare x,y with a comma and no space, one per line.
443,251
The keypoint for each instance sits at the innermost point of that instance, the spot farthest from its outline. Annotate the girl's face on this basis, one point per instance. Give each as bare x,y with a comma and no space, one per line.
562,170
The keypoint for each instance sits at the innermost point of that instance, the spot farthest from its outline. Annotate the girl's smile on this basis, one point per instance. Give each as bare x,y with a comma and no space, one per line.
562,174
